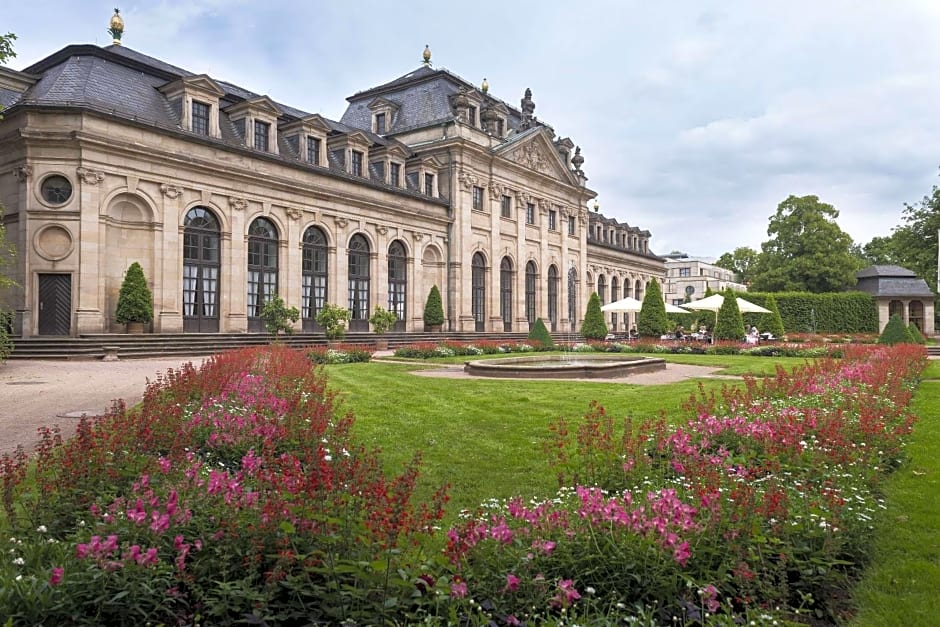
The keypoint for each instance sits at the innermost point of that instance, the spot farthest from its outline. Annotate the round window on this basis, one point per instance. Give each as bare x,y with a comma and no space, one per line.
56,189
689,290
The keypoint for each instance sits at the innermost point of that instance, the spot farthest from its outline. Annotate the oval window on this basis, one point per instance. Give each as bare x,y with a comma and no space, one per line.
56,189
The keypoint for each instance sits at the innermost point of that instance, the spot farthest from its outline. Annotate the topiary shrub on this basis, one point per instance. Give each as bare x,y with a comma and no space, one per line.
771,322
135,302
434,309
652,320
594,327
916,335
730,325
539,333
895,332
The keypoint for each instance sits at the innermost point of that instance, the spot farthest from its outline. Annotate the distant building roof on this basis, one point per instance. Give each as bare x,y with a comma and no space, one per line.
892,282
884,271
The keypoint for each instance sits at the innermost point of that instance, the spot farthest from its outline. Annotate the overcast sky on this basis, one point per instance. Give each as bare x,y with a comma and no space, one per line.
695,117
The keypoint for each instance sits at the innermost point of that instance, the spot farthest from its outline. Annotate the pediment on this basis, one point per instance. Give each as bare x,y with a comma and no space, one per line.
261,104
358,137
198,84
393,151
383,103
314,123
537,152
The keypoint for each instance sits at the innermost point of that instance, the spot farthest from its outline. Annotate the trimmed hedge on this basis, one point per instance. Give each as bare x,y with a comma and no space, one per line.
652,320
916,335
895,332
594,327
803,312
539,333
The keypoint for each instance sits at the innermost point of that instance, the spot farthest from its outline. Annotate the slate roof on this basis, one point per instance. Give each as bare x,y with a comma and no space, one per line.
8,97
892,281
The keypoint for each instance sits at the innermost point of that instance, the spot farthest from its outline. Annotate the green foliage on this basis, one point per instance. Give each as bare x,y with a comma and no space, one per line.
771,322
434,308
895,332
730,325
594,327
835,312
916,335
743,262
539,333
277,317
807,250
6,47
652,320
382,320
135,302
6,327
709,292
333,319
342,355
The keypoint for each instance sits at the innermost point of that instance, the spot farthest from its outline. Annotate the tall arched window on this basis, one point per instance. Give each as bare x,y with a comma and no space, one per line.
397,282
602,289
553,296
505,293
358,283
638,290
201,262
478,291
614,297
315,272
262,269
573,298
530,279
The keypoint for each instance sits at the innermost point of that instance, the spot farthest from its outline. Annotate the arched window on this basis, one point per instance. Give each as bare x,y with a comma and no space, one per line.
201,262
358,283
315,273
573,297
262,269
553,296
478,291
505,293
397,282
602,289
638,289
530,279
614,297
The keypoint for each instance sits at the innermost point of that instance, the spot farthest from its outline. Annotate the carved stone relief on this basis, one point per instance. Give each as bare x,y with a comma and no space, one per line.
293,213
92,177
531,157
171,191
238,204
23,172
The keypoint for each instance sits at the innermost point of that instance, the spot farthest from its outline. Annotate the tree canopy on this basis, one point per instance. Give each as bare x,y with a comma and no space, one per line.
743,262
807,250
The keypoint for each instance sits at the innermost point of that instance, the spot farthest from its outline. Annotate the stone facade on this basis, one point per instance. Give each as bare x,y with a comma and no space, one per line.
226,197
688,278
898,291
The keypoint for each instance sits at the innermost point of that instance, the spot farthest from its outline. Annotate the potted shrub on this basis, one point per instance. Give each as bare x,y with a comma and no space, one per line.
433,311
135,301
382,320
278,317
333,319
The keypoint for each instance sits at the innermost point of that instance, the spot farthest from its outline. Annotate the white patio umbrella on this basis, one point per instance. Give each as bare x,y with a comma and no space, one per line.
715,301
628,304
675,309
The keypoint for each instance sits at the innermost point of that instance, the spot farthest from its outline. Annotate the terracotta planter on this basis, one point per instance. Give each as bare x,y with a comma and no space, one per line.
381,344
434,328
135,328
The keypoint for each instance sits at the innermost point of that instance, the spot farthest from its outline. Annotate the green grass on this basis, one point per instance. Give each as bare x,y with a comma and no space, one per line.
902,586
482,436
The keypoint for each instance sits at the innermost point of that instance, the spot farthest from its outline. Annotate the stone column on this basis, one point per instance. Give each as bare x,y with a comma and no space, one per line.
338,293
290,270
89,285
169,264
233,314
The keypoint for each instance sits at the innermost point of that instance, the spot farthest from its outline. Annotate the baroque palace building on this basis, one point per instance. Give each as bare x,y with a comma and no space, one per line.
227,197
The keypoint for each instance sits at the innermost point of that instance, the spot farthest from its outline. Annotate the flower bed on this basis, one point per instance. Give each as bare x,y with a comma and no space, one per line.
236,493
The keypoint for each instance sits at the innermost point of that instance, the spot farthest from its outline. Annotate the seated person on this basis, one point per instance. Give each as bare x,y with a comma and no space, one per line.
680,332
633,333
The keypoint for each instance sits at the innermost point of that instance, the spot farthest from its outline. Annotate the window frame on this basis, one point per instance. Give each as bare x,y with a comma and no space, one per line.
263,138
200,122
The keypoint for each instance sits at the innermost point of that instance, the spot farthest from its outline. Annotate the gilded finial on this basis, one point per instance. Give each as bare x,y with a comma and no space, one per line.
485,86
117,27
597,206
427,55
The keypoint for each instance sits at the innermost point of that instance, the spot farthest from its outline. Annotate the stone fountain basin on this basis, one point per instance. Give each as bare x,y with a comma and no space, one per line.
573,366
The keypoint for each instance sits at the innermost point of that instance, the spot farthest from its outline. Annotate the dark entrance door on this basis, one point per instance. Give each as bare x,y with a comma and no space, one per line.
55,304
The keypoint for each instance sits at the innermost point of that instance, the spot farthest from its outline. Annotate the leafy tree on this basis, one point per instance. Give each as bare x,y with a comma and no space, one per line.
6,251
6,47
743,262
434,308
539,333
594,327
772,322
915,241
807,251
382,320
895,332
708,291
652,320
730,325
135,301
333,319
277,317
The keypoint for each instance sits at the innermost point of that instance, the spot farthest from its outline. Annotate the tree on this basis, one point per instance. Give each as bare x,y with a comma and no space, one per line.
6,251
915,242
730,325
895,332
594,327
434,308
807,251
333,319
772,322
6,47
539,333
277,317
135,301
652,320
743,262
382,320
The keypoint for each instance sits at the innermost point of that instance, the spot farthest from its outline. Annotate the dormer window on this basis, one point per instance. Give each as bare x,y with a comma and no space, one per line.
383,114
429,185
355,166
394,174
499,127
380,119
200,118
313,150
472,115
262,135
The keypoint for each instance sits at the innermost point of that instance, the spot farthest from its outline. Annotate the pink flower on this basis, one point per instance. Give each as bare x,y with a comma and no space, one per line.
512,582
566,595
165,464
458,589
81,551
682,553
56,577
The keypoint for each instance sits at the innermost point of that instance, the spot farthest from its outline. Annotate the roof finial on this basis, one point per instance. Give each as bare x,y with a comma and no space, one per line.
485,86
427,55
117,27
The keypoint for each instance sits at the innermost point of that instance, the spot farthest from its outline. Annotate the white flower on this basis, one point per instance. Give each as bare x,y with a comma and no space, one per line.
19,578
19,561
41,529
327,458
